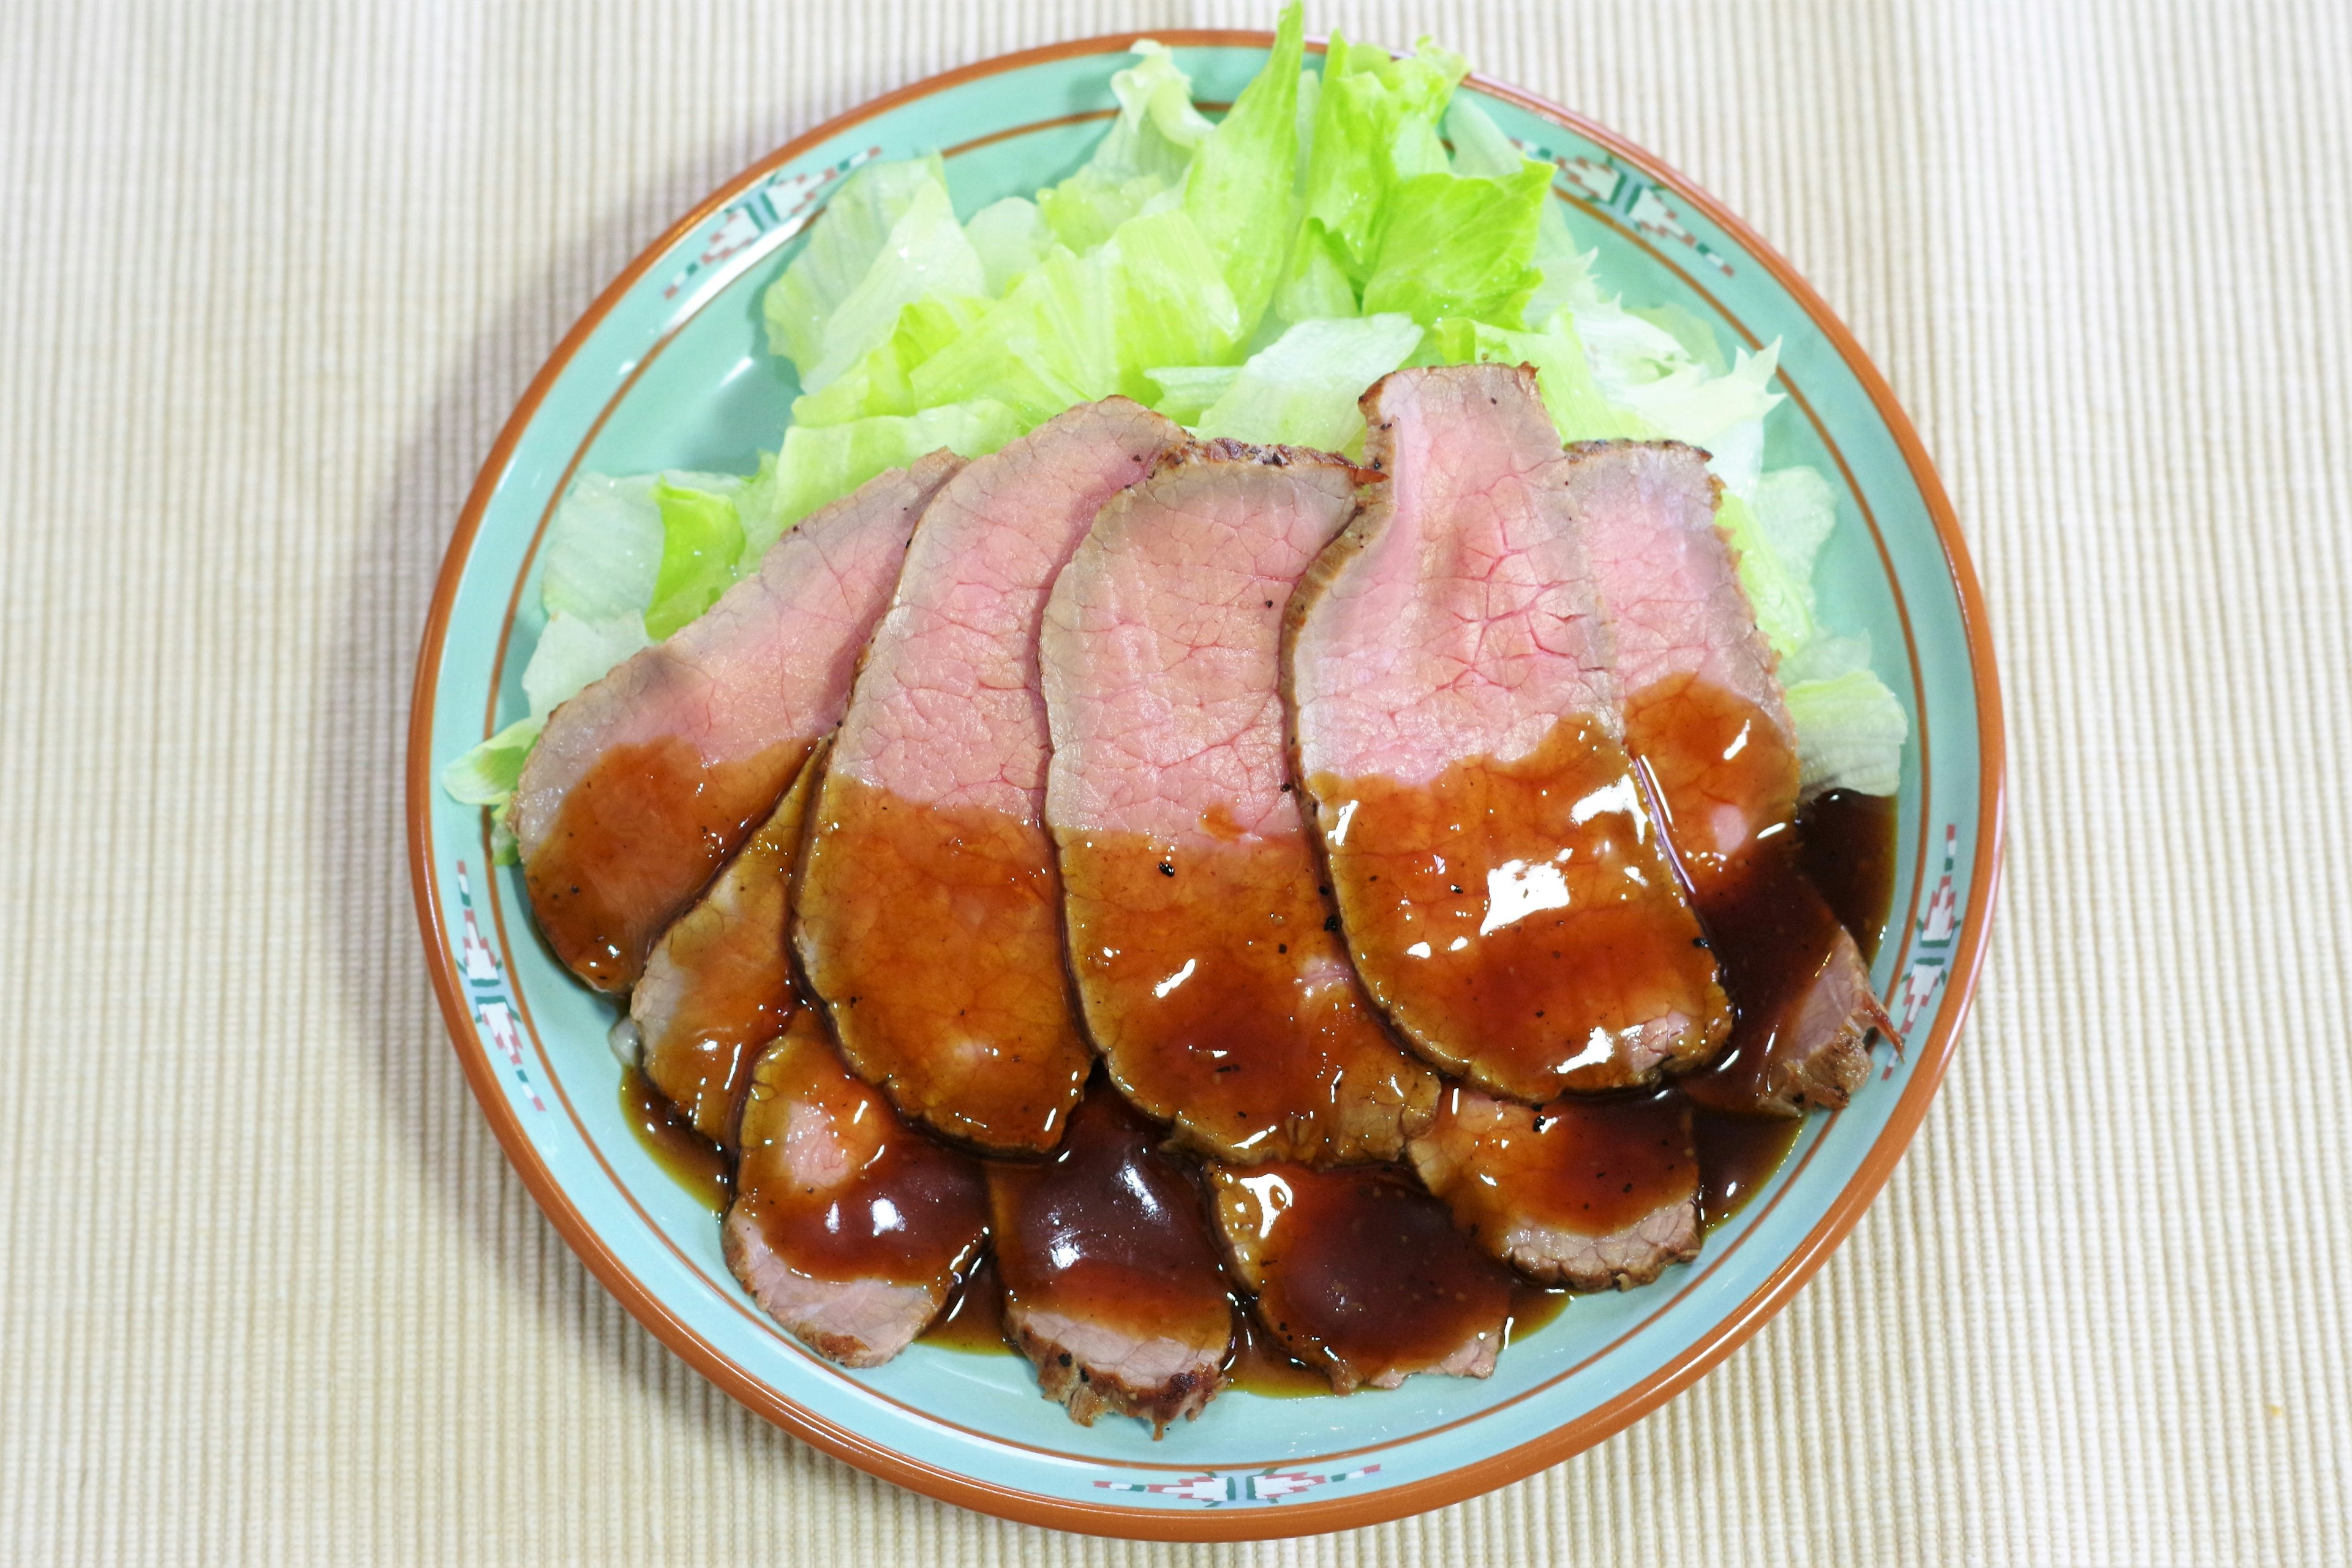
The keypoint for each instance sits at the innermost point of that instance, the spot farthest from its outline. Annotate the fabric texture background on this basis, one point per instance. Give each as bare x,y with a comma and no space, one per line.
272,277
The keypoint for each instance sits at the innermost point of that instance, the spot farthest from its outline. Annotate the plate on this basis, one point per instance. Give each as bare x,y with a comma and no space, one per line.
669,369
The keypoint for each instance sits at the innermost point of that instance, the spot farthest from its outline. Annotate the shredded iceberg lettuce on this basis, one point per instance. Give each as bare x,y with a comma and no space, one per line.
1249,276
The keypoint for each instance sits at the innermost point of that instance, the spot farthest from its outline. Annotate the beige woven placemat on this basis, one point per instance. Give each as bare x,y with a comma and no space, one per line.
272,275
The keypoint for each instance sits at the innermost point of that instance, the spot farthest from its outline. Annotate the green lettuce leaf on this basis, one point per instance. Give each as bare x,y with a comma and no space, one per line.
1142,157
1563,378
841,250
1187,390
881,382
823,463
1782,598
1850,734
925,254
1301,389
603,548
1168,299
487,775
1459,245
1010,237
1375,124
1241,193
1315,285
702,542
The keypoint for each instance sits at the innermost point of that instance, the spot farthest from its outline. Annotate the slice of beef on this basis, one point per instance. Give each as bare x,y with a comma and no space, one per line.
1587,1193
927,916
1704,714
646,782
1360,1274
1197,927
718,985
850,1228
1452,715
1112,1285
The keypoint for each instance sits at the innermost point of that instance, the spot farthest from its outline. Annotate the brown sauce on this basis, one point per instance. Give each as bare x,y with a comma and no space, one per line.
1260,1364
1587,1166
1519,920
838,1187
974,1320
1736,1155
1533,1308
1726,779
690,1158
719,985
636,839
1846,840
1358,1272
1111,1231
935,935
1223,1003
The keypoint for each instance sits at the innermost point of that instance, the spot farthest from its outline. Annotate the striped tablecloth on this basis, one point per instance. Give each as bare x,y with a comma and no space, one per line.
271,276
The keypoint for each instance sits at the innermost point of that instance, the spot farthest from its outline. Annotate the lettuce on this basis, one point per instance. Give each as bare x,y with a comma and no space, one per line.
603,548
1563,377
881,381
573,653
1302,388
1850,734
1186,391
823,463
1010,237
1250,278
1241,191
842,247
1459,245
702,542
487,775
1140,159
1375,124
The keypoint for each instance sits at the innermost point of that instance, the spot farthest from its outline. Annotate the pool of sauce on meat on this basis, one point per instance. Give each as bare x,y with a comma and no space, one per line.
908,1210
1590,1165
731,979
1844,847
935,934
1762,874
1222,1001
636,839
1519,920
1112,1229
1361,1272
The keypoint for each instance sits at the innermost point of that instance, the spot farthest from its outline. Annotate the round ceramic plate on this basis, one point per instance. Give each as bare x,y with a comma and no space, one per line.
669,370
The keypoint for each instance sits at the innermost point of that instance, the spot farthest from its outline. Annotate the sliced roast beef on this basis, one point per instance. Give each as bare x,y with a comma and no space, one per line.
848,1226
1360,1274
1704,714
720,983
1197,927
1499,876
928,915
1587,1193
646,782
1112,1285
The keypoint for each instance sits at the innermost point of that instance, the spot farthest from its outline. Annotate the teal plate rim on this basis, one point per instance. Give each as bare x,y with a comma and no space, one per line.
1913,566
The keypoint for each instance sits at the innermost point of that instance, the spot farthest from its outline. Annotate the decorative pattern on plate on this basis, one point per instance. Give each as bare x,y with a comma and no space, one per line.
485,984
1214,1489
1604,184
784,201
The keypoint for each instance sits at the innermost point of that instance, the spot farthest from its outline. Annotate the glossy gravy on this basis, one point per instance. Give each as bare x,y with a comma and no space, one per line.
634,842
1519,920
1225,1004
934,934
